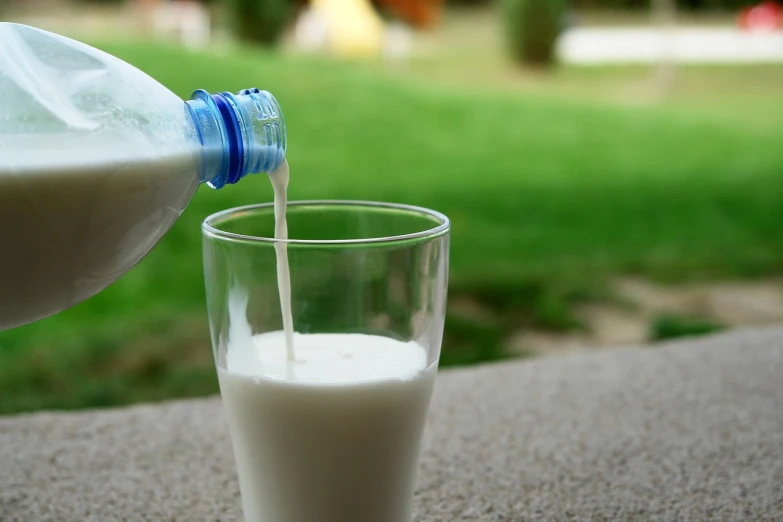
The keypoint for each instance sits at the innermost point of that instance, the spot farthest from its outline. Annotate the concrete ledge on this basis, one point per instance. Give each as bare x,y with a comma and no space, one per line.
689,431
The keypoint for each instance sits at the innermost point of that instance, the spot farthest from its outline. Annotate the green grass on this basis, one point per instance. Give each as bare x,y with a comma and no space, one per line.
549,197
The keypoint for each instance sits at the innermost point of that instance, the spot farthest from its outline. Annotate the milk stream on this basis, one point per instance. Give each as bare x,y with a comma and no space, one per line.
279,179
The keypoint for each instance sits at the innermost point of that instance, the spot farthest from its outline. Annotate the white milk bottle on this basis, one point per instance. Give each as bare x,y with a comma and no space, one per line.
97,161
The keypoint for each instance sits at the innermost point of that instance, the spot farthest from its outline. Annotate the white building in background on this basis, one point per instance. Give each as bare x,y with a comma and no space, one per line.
597,46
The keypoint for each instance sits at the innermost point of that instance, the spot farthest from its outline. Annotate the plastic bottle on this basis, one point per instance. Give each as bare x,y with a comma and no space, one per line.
97,161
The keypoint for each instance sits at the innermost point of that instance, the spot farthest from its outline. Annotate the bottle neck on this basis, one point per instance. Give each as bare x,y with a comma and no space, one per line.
239,134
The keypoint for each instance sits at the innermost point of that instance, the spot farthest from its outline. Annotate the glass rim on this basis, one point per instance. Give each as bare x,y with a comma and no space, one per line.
209,225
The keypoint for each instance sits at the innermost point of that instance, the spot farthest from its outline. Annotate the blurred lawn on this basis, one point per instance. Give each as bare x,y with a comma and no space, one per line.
549,196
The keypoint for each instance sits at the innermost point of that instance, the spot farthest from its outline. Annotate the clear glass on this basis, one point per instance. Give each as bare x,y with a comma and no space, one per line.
312,447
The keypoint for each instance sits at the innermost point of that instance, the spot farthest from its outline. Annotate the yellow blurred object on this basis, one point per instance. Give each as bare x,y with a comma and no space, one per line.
354,27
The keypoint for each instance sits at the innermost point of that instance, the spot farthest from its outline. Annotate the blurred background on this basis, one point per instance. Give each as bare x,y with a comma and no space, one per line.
613,170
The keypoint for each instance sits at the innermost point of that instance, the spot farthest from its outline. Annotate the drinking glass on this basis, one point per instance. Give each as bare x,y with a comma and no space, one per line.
312,447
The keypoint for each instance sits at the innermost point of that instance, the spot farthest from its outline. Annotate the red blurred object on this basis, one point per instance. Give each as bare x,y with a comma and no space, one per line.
763,17
418,13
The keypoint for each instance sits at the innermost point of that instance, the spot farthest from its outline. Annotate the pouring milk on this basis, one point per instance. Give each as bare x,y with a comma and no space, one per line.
325,427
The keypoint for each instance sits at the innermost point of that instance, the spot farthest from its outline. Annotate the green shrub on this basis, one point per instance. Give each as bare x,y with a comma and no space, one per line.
260,21
669,326
532,28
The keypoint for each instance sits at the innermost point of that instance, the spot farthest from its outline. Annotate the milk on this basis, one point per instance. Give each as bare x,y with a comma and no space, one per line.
70,225
333,436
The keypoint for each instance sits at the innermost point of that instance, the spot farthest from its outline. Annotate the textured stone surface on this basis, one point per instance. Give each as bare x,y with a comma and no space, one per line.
688,431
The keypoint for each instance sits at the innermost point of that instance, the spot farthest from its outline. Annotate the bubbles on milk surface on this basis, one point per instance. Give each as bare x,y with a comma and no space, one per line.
326,358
